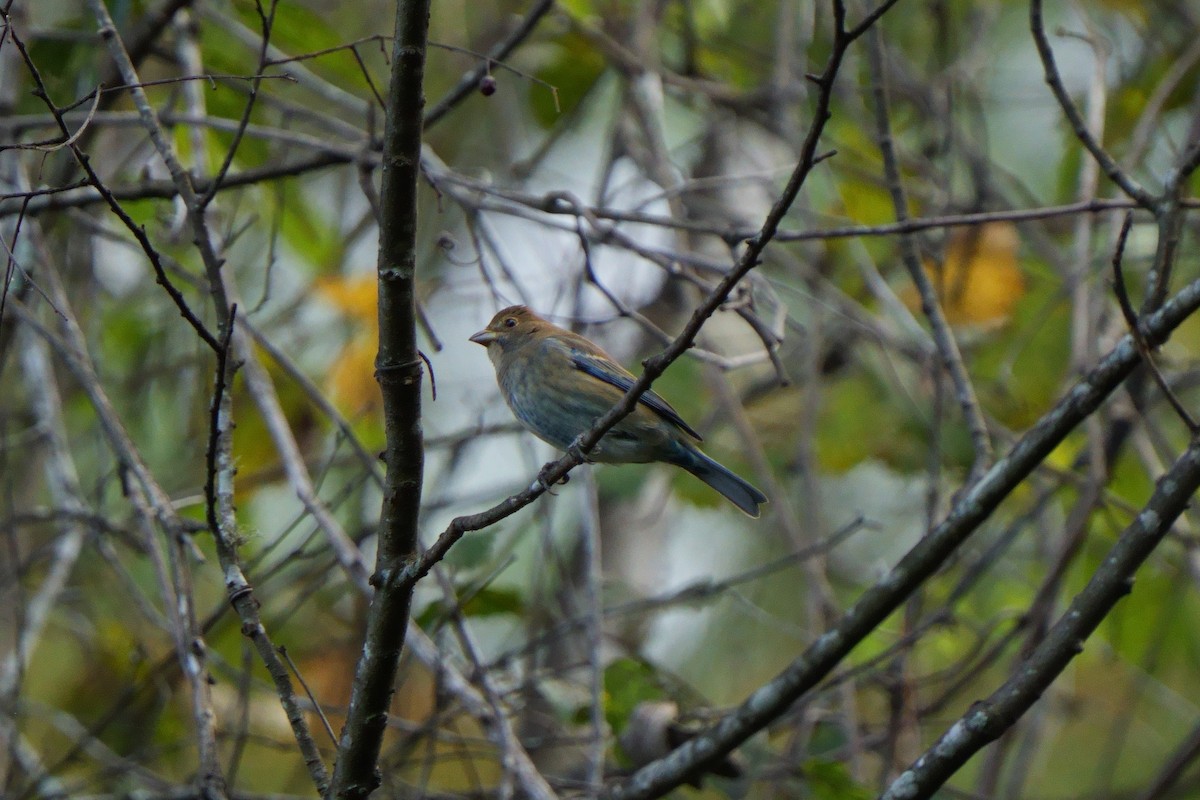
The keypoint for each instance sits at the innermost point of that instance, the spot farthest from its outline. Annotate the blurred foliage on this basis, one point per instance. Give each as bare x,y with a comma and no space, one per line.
691,112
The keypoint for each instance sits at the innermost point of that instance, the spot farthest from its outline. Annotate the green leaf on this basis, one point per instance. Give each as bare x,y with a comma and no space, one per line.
490,601
628,682
831,780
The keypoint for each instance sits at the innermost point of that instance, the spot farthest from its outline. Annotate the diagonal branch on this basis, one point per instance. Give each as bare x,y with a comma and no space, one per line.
84,162
470,81
922,561
988,719
654,367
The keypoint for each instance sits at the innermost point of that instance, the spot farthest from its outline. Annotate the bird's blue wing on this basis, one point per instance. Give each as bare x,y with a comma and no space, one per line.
601,369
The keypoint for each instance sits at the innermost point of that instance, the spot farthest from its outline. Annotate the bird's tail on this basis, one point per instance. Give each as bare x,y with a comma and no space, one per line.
716,475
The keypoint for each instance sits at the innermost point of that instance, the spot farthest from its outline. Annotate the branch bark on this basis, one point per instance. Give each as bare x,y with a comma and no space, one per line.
877,603
987,720
398,370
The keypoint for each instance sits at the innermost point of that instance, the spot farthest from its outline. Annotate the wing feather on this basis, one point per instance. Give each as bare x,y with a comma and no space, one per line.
601,369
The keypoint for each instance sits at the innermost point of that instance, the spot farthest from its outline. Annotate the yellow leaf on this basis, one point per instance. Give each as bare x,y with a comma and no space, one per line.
354,295
980,280
352,383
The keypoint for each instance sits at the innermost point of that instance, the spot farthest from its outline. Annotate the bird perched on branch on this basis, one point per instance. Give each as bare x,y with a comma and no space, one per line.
558,384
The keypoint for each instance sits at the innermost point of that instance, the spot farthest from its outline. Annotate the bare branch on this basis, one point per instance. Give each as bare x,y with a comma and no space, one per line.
943,337
877,603
398,370
470,81
1131,320
1113,170
1113,580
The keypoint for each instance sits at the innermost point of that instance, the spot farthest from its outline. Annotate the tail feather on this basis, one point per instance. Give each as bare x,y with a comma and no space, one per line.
735,489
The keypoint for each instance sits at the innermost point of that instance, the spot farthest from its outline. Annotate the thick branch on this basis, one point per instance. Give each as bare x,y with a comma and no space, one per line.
877,603
1112,581
398,369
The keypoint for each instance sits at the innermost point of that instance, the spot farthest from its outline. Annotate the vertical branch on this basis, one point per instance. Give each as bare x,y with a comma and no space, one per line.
943,338
1169,216
398,369
222,522
593,628
517,767
268,22
62,479
1131,320
152,505
1084,347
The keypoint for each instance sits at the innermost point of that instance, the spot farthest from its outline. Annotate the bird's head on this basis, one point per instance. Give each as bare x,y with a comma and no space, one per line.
510,326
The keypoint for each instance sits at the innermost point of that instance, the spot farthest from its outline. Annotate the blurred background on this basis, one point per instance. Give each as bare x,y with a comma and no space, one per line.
601,161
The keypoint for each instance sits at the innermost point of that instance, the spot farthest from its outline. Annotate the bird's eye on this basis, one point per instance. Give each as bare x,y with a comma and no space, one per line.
510,322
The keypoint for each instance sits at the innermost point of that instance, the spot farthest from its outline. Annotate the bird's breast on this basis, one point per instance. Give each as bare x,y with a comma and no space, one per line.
556,402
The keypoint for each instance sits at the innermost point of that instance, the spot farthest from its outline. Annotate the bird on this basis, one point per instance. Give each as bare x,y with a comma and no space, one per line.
558,383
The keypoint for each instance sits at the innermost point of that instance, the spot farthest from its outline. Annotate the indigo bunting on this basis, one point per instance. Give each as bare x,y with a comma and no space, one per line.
557,384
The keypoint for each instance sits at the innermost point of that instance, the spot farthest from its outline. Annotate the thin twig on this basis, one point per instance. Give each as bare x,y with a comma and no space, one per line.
287,657
138,231
943,337
268,21
470,81
1110,166
592,576
193,202
1131,322
654,367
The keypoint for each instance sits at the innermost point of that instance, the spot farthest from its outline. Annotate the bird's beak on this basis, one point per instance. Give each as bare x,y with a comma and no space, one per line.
484,338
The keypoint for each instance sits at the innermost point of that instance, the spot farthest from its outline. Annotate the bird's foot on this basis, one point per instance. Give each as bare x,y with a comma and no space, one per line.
544,481
576,450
